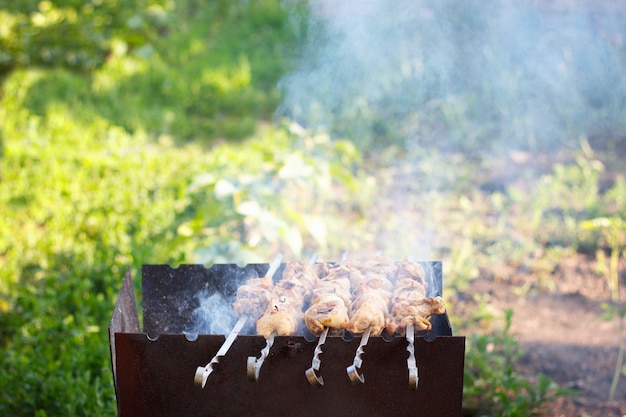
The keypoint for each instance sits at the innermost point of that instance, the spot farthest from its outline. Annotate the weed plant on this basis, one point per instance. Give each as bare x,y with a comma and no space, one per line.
614,232
492,387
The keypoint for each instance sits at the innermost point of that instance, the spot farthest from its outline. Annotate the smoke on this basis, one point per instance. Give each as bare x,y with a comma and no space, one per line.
214,315
459,74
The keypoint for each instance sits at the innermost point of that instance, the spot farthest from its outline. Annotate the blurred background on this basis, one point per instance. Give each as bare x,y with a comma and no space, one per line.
488,134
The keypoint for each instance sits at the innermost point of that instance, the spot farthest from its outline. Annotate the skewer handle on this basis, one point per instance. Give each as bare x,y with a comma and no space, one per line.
352,371
254,364
203,372
411,361
312,377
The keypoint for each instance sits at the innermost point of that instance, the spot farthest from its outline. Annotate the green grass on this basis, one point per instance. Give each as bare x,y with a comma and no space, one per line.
81,201
90,200
210,72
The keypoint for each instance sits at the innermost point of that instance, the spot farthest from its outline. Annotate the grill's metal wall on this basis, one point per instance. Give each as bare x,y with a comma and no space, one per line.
155,377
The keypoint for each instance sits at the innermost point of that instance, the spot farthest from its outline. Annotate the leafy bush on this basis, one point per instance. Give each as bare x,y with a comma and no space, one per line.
90,199
277,195
81,201
74,34
198,70
93,183
492,387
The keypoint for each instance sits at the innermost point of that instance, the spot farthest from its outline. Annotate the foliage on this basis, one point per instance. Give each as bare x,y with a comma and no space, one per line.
559,201
81,201
110,169
213,76
491,387
564,211
90,179
530,228
274,195
614,232
441,75
90,199
616,312
75,34
210,72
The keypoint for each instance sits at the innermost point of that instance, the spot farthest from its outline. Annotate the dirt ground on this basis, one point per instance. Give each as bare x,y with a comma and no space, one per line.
562,334
558,324
560,328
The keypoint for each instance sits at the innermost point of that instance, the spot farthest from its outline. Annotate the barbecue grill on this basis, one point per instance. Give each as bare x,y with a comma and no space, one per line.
154,369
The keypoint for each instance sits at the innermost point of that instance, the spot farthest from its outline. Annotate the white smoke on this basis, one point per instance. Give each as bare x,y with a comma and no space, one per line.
214,315
533,74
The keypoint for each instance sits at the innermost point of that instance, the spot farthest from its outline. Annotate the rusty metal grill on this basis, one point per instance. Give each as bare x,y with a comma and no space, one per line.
154,368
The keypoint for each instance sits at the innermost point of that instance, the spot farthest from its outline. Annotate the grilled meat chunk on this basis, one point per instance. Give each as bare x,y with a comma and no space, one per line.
409,303
253,297
371,290
417,312
281,317
329,311
330,302
290,294
369,309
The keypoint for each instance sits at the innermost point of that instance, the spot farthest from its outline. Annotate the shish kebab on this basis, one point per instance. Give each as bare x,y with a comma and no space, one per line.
372,293
329,310
369,312
411,310
332,309
285,310
252,300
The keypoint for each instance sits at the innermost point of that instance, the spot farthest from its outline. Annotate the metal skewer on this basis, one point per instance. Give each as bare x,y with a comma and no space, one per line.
203,372
311,376
254,364
411,363
315,380
352,371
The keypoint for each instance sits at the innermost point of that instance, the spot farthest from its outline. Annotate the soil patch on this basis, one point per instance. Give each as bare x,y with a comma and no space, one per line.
563,334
